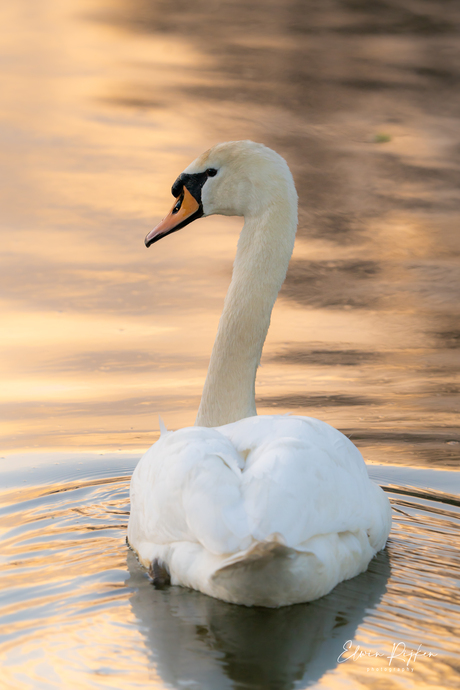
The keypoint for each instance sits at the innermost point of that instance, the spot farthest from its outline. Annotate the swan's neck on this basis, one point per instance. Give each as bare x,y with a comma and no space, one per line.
264,249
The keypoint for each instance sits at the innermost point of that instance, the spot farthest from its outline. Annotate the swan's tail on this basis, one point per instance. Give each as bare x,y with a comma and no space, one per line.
267,574
272,574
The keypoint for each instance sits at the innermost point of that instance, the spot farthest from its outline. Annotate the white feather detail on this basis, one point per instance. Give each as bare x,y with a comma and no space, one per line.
163,429
302,492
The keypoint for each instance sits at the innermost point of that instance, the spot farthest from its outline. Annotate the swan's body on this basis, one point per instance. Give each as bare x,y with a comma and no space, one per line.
265,511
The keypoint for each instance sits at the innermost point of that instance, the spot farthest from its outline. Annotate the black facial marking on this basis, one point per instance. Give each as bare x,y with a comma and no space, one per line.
194,183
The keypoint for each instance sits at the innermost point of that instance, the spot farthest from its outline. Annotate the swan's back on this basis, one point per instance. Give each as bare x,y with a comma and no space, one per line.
264,511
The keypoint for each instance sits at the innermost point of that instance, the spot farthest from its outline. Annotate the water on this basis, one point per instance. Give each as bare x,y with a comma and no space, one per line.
79,611
103,104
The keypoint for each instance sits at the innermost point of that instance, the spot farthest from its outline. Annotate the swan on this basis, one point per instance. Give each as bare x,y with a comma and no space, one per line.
260,511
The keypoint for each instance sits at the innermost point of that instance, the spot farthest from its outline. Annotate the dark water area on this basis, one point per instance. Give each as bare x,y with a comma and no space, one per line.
103,104
78,611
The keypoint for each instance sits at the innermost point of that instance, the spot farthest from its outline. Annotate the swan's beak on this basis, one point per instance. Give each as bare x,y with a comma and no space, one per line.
186,209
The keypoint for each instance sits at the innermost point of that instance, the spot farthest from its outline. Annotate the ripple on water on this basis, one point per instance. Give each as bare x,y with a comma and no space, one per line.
79,612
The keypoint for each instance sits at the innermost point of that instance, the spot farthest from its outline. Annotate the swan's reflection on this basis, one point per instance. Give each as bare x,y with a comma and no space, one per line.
197,641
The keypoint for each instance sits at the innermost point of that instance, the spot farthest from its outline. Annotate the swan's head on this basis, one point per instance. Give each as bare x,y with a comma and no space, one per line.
237,178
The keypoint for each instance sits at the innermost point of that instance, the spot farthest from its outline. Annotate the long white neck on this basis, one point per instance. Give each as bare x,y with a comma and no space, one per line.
264,249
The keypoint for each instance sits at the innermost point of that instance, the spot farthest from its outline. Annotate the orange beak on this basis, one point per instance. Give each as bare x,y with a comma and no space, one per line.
185,210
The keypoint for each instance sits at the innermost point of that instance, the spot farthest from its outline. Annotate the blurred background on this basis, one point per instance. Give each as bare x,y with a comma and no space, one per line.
104,102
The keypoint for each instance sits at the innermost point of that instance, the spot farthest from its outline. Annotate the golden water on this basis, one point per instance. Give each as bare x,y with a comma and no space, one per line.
103,104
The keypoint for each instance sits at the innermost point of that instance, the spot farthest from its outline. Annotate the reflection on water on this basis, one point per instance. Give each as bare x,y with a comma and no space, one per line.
253,647
101,336
103,103
78,611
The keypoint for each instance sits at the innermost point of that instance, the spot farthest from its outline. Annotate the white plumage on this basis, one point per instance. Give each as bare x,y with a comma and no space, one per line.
265,511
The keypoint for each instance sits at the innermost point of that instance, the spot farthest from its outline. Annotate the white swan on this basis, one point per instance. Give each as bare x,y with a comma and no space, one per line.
264,511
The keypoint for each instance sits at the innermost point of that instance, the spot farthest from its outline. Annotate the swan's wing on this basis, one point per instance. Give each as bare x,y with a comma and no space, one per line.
301,479
304,478
187,487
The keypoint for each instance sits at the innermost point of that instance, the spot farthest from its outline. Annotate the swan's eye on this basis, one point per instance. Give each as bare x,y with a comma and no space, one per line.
211,172
179,204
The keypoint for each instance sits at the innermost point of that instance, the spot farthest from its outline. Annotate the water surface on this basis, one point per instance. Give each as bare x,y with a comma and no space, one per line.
103,104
